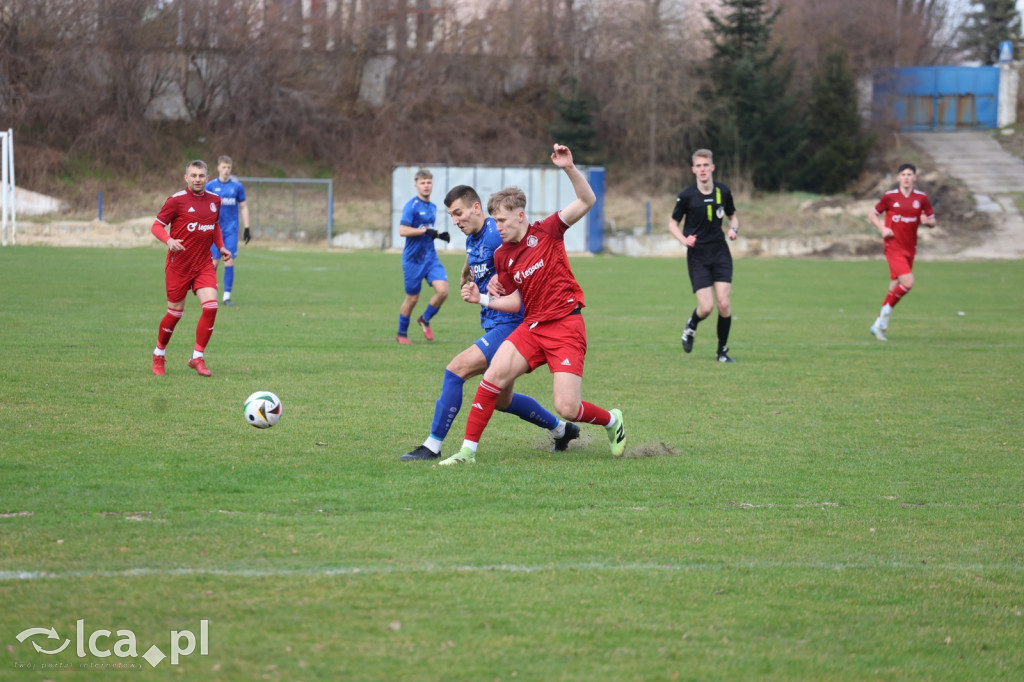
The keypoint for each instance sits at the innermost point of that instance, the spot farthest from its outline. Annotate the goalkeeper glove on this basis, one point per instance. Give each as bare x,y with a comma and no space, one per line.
431,232
246,236
445,237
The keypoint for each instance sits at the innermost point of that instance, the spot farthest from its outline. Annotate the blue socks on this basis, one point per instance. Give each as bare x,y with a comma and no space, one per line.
229,278
403,325
528,409
448,405
450,402
429,313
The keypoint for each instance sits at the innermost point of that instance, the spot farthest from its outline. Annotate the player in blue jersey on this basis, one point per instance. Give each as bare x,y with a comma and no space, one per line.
482,239
419,259
232,203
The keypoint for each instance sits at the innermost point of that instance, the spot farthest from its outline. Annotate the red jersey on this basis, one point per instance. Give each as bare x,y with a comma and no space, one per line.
538,267
903,217
193,219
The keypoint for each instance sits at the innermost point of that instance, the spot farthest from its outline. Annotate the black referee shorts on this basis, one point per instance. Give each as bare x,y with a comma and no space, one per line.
709,264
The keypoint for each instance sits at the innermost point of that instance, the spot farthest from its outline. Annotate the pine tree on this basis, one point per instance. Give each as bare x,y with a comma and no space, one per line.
574,126
991,22
753,125
836,145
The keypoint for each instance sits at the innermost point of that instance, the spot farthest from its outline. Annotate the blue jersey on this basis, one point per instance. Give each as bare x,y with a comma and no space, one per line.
231,193
480,248
419,214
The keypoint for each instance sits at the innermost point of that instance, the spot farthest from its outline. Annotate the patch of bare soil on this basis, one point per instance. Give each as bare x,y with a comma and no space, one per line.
128,234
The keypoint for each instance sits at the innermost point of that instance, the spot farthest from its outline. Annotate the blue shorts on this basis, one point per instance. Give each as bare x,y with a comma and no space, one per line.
416,273
230,243
492,338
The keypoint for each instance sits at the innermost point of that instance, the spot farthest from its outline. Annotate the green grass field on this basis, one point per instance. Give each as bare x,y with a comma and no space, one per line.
828,508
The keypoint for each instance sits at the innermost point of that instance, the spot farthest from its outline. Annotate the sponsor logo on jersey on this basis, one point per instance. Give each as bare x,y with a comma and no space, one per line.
897,218
192,227
522,275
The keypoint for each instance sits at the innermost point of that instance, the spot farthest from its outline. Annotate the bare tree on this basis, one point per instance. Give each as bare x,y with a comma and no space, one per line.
646,79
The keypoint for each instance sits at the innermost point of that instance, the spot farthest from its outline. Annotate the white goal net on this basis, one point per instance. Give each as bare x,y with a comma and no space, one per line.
298,209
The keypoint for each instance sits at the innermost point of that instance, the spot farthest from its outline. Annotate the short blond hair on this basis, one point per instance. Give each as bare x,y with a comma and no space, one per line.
424,173
702,154
510,199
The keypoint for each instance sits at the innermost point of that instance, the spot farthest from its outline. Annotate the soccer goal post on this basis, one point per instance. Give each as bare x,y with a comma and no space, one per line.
290,208
9,226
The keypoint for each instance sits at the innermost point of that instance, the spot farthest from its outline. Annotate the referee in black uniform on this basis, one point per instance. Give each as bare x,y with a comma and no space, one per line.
701,208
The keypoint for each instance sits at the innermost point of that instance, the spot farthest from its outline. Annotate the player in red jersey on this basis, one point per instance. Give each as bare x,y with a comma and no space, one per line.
533,271
189,223
905,208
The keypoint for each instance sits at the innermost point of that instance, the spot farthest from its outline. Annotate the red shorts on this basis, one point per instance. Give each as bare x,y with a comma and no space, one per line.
562,344
179,284
900,262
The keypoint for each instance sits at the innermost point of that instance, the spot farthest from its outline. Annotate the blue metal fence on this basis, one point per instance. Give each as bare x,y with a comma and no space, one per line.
938,97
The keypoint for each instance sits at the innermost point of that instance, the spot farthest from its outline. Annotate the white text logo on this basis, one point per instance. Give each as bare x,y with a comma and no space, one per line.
182,643
520,276
192,227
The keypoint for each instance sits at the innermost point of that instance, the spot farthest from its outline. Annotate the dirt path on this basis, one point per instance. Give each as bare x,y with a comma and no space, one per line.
993,175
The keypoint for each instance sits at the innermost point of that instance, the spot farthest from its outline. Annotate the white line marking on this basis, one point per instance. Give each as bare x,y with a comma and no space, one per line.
498,568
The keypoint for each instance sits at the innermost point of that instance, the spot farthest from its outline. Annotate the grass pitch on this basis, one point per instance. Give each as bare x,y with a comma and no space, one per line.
828,508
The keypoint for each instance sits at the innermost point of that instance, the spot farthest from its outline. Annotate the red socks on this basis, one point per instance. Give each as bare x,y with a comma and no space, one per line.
204,328
163,335
895,295
487,397
592,414
480,413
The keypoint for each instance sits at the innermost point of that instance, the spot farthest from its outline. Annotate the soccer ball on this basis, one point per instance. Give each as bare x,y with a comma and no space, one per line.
262,409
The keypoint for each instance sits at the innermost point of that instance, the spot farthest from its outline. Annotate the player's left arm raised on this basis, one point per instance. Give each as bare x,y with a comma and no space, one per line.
585,197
